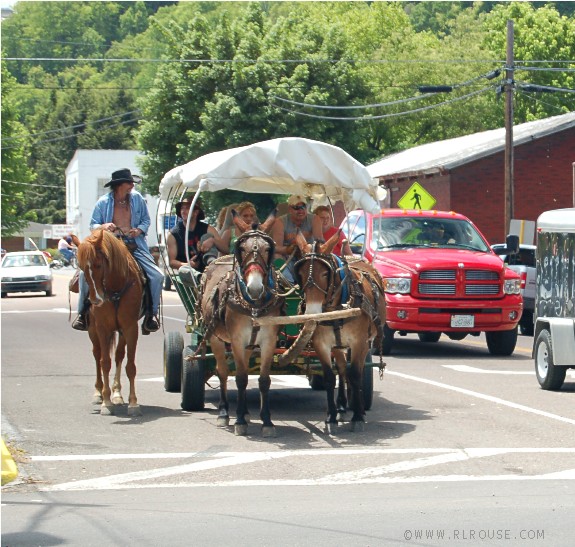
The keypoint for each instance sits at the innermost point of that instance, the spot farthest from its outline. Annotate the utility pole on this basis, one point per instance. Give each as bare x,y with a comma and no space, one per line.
509,85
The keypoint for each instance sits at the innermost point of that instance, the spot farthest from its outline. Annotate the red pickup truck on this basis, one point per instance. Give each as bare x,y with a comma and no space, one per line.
440,276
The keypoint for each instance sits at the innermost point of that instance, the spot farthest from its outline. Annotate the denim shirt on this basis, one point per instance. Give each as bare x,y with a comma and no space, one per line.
139,215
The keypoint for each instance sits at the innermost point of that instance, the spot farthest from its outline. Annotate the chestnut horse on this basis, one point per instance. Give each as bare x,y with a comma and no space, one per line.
116,288
235,289
330,283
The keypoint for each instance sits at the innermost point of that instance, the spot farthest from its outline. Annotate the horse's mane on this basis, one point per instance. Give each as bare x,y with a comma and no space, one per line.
115,251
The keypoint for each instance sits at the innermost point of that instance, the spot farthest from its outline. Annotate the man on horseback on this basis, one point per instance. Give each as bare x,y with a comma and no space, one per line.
124,210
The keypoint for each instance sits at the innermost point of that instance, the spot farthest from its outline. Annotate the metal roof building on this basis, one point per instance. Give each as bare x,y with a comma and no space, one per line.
467,174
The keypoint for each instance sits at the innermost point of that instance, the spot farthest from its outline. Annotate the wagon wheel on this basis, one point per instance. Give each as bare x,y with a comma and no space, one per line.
173,346
193,381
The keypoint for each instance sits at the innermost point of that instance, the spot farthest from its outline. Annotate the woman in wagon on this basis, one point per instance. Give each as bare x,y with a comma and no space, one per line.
247,213
342,246
203,240
286,227
124,211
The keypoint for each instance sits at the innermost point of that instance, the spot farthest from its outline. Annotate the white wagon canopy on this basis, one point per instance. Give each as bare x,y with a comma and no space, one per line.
291,165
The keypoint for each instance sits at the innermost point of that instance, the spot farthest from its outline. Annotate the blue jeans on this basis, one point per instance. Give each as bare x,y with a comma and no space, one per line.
67,254
153,273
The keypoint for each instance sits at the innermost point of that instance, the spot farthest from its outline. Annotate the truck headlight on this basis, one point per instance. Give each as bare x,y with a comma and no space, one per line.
397,285
512,286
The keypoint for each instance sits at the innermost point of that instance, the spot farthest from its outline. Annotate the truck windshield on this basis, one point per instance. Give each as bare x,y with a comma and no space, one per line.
407,232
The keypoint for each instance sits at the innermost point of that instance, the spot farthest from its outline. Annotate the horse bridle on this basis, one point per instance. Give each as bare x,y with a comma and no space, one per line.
332,267
111,296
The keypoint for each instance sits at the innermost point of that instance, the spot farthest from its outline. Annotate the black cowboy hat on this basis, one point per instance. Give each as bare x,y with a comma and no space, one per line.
188,199
122,175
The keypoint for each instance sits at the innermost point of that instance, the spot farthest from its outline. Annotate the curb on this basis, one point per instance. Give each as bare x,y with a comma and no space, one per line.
9,469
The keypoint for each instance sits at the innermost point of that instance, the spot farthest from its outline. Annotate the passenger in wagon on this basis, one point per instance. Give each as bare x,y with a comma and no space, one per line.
247,212
203,240
286,227
324,213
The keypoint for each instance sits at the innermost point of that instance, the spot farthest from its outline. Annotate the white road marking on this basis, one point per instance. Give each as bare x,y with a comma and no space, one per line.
467,368
478,395
51,310
366,476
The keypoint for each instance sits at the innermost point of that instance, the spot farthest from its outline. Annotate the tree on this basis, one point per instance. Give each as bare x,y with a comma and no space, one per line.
16,175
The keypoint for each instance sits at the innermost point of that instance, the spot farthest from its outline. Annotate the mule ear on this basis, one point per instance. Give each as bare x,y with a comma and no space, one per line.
328,246
237,220
301,243
75,239
269,222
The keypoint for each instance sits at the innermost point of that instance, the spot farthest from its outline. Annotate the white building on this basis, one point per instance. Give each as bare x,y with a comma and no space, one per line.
86,175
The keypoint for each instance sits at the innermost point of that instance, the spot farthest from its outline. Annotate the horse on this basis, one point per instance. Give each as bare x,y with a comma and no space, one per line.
115,289
330,283
233,290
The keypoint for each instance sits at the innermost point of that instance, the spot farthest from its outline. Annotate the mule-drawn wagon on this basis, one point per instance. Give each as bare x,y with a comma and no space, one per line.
322,173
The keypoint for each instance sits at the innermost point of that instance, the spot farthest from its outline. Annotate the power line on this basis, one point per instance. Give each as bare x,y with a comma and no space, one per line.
70,127
32,184
392,115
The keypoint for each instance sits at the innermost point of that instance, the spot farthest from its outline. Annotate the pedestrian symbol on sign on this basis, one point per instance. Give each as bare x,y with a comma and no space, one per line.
417,197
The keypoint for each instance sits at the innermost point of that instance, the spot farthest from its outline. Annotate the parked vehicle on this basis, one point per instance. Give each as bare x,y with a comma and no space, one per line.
554,340
25,271
441,276
522,262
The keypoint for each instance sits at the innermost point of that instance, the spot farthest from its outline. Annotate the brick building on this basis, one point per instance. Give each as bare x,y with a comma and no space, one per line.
467,174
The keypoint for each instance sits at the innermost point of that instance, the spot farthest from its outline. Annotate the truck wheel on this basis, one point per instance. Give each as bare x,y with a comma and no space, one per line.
526,326
193,382
501,342
429,336
549,376
387,340
173,347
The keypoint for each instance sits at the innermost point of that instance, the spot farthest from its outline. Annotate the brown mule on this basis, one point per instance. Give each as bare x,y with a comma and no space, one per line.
329,283
233,290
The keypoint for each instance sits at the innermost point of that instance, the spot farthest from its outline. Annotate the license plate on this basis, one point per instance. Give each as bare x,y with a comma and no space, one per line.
462,321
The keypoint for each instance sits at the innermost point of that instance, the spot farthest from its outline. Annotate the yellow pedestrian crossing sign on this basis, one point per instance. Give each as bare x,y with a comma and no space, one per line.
417,197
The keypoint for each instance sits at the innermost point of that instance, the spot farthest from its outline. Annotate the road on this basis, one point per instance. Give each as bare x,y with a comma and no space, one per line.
460,448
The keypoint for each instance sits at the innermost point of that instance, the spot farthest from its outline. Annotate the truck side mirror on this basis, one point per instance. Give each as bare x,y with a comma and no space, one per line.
512,242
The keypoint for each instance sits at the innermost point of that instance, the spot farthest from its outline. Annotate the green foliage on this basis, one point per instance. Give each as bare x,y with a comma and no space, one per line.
16,174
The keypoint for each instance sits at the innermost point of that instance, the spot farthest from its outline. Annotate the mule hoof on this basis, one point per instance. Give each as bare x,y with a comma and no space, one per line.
341,416
134,410
223,421
358,426
248,418
268,431
106,410
331,428
241,429
117,400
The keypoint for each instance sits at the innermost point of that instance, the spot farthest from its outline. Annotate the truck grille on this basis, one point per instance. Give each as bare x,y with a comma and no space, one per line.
462,283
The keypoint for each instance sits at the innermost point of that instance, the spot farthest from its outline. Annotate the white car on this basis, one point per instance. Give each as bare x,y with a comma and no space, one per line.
25,271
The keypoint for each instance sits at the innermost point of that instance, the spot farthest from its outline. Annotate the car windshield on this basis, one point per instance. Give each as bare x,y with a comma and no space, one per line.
406,232
23,260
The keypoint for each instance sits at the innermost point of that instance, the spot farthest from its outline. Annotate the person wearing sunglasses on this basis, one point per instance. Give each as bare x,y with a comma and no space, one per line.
286,227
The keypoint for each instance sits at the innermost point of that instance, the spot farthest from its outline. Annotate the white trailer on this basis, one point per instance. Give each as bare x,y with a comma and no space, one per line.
554,338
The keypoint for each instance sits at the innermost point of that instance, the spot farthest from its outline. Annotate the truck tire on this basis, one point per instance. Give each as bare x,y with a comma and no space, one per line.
431,337
193,382
173,347
387,340
549,376
501,342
